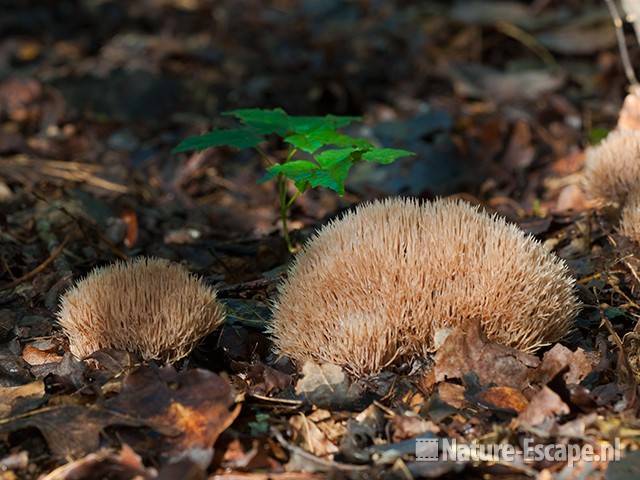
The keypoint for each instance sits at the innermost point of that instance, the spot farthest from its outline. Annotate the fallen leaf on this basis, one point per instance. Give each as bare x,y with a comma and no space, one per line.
468,350
576,428
545,405
195,403
580,39
519,153
15,461
264,379
571,199
73,430
18,97
503,398
408,426
560,357
328,386
183,469
9,395
310,437
479,81
452,394
124,465
35,356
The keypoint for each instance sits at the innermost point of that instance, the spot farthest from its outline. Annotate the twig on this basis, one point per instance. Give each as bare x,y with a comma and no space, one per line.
528,41
618,342
39,268
286,401
631,9
73,171
622,43
80,223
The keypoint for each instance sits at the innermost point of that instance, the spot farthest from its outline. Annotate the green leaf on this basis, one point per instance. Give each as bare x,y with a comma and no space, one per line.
328,158
332,177
385,156
300,171
305,124
238,137
295,167
312,141
264,121
302,185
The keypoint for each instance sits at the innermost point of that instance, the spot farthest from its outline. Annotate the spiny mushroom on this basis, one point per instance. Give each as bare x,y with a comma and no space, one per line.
378,285
612,168
630,221
147,306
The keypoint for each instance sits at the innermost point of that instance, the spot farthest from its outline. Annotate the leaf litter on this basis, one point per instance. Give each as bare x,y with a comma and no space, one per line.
498,100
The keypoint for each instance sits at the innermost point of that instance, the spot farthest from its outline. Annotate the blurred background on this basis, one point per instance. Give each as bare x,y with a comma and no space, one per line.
497,98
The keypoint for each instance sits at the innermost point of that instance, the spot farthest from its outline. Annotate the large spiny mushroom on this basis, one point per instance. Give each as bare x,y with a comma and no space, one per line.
612,169
379,284
630,221
147,306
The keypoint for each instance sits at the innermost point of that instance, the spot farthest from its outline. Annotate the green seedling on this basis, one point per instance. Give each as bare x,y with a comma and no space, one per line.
318,154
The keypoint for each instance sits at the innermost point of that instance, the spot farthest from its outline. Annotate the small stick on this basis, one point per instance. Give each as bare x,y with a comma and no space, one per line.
39,268
622,43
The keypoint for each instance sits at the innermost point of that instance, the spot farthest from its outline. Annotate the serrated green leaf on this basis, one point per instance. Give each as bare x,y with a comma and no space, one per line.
329,158
312,141
332,177
302,185
297,170
385,156
264,121
238,137
268,175
304,142
305,124
294,167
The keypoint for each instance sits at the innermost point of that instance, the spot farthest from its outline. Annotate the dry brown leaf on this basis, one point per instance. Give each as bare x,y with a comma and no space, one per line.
410,426
452,394
124,465
571,199
194,402
73,430
560,357
545,405
328,386
35,356
467,350
505,398
8,395
311,438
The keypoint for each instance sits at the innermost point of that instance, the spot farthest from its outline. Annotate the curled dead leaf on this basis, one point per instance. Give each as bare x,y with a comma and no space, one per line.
468,350
545,405
35,356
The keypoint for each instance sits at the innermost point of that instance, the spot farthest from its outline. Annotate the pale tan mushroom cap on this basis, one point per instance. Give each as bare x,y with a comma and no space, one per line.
630,221
612,168
376,286
147,306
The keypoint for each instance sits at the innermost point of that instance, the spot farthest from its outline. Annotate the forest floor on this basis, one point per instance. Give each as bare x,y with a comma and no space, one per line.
499,100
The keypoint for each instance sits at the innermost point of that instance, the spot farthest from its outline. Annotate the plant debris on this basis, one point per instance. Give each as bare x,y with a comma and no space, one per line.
502,102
